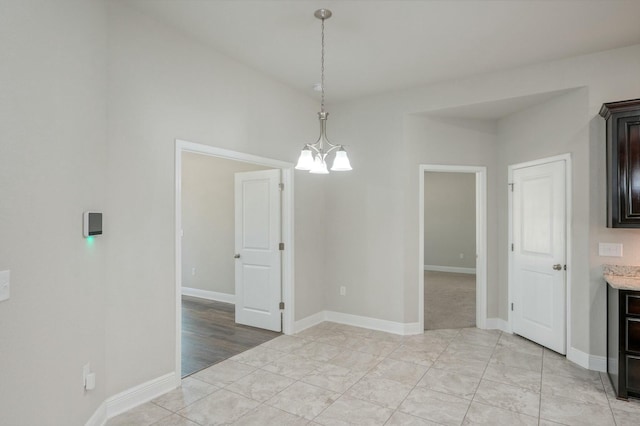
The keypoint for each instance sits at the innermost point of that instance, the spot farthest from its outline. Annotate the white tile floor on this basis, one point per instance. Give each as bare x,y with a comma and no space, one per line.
334,374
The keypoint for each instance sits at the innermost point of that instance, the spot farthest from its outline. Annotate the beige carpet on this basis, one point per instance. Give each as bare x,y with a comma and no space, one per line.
449,300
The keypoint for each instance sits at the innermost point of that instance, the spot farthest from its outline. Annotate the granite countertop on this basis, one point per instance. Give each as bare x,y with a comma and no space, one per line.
622,277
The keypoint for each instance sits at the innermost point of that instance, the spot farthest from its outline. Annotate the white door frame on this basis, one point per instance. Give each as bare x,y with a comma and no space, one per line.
287,230
568,213
481,237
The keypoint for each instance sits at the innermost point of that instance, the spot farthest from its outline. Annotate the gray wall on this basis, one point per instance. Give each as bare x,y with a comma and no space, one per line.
164,86
557,126
113,303
450,219
53,121
469,142
208,221
372,246
389,256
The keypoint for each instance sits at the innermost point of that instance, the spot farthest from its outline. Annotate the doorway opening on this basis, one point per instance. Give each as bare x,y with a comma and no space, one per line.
444,273
206,240
211,335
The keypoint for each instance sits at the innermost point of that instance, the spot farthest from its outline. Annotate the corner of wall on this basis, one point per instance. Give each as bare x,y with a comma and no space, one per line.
588,361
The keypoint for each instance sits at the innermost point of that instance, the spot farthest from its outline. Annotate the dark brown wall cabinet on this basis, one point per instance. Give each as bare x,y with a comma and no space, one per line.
623,341
623,163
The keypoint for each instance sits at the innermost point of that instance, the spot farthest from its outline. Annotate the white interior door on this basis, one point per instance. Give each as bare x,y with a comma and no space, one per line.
257,235
539,254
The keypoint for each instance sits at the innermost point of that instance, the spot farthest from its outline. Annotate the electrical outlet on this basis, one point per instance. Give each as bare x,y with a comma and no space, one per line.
193,270
461,255
610,249
343,291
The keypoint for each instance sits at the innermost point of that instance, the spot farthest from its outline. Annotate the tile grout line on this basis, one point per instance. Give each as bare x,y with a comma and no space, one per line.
417,345
260,403
358,381
264,403
540,397
326,363
384,357
613,416
163,418
395,410
416,385
482,376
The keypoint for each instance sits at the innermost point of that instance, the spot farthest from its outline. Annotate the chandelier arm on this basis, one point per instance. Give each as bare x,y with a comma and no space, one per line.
333,148
313,147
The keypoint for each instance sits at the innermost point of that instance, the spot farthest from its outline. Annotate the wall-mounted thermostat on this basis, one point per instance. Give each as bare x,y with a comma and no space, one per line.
92,224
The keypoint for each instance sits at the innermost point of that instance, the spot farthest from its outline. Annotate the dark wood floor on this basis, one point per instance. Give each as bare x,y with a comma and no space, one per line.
210,334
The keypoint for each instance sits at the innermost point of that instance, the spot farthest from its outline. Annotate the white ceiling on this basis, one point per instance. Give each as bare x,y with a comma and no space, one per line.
376,46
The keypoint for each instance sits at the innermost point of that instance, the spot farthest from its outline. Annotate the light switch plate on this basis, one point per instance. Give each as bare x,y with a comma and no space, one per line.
610,249
4,285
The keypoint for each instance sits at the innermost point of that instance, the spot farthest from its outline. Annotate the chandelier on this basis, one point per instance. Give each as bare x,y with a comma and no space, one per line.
313,155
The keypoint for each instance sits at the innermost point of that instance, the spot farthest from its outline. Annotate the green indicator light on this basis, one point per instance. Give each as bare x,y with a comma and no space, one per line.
90,240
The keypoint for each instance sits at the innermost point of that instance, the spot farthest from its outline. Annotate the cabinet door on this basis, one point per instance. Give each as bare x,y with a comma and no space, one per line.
623,163
633,304
633,373
628,141
633,335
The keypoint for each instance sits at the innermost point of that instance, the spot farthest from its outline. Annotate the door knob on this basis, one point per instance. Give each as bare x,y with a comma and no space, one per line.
237,256
557,267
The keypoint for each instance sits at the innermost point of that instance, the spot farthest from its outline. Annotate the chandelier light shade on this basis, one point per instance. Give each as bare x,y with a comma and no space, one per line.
313,156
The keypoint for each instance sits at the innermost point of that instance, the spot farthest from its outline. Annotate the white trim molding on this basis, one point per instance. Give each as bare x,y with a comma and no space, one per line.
588,361
480,173
372,323
455,269
412,328
133,397
498,324
393,327
583,359
99,417
288,261
309,322
209,295
140,394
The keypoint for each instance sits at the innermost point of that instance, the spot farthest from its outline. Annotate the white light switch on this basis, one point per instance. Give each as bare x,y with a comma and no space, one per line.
4,285
610,249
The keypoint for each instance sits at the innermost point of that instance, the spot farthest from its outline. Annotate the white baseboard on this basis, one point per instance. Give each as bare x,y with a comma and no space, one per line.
411,328
358,321
140,394
585,360
364,322
455,269
498,324
99,418
308,322
209,295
